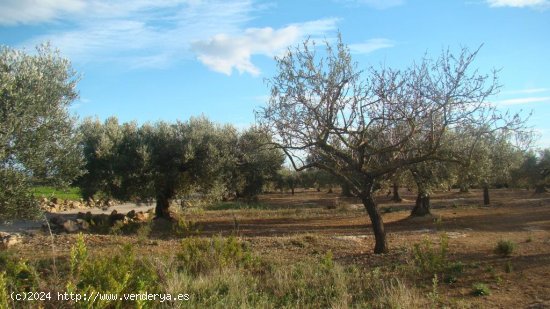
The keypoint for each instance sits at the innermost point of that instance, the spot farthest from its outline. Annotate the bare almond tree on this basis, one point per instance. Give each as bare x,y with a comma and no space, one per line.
362,126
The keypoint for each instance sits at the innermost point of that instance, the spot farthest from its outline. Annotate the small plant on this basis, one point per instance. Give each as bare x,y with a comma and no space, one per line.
143,232
508,267
529,239
184,228
505,248
434,294
480,289
431,259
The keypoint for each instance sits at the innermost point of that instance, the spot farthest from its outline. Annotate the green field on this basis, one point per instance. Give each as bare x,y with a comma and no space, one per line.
70,193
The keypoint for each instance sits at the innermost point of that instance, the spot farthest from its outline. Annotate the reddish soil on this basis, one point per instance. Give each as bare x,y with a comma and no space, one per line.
307,224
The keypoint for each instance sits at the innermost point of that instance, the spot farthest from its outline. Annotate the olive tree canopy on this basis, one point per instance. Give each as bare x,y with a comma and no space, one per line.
363,125
37,140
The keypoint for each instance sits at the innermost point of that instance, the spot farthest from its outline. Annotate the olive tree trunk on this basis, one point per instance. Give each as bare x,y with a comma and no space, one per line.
162,208
396,197
381,245
486,199
422,206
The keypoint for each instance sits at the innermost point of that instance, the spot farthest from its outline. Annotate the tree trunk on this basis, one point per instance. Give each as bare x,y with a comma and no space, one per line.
396,197
540,188
422,206
162,209
346,190
486,200
377,224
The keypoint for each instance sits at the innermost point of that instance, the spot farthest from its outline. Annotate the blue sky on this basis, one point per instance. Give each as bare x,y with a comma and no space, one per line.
150,60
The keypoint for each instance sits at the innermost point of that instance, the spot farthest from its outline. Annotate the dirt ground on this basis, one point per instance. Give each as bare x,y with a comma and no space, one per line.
312,223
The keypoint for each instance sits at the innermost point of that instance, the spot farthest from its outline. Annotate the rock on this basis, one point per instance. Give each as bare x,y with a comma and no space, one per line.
99,219
71,226
131,214
55,200
115,216
57,220
83,224
9,240
141,216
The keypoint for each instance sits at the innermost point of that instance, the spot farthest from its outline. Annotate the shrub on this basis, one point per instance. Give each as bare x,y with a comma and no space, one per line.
505,248
116,273
201,255
480,289
430,259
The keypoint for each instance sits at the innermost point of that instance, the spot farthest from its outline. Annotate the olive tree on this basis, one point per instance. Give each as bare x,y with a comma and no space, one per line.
256,163
37,139
364,125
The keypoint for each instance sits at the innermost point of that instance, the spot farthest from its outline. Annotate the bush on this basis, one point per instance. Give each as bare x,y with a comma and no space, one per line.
201,255
430,259
480,289
505,248
116,273
16,200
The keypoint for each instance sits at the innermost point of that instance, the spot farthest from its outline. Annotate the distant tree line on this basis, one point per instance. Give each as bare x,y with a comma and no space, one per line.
165,161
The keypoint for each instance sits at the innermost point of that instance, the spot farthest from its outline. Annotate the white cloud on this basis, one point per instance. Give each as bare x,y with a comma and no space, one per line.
144,33
377,4
526,91
371,45
14,12
223,53
519,3
527,100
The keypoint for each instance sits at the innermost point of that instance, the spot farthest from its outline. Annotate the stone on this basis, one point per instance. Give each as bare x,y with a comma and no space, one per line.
8,240
57,220
141,216
83,224
71,226
115,216
131,214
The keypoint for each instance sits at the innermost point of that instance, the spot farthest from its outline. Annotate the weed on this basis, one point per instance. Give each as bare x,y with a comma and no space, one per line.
505,248
434,294
430,259
480,289
143,232
184,228
508,267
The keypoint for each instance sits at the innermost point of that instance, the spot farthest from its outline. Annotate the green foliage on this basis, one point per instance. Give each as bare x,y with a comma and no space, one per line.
202,255
16,199
185,160
237,205
505,248
508,267
183,228
257,162
4,300
70,193
431,259
480,289
37,140
116,273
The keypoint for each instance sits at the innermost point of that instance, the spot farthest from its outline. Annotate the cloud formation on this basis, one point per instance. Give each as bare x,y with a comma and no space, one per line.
13,12
371,45
223,53
526,100
519,3
376,4
143,33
